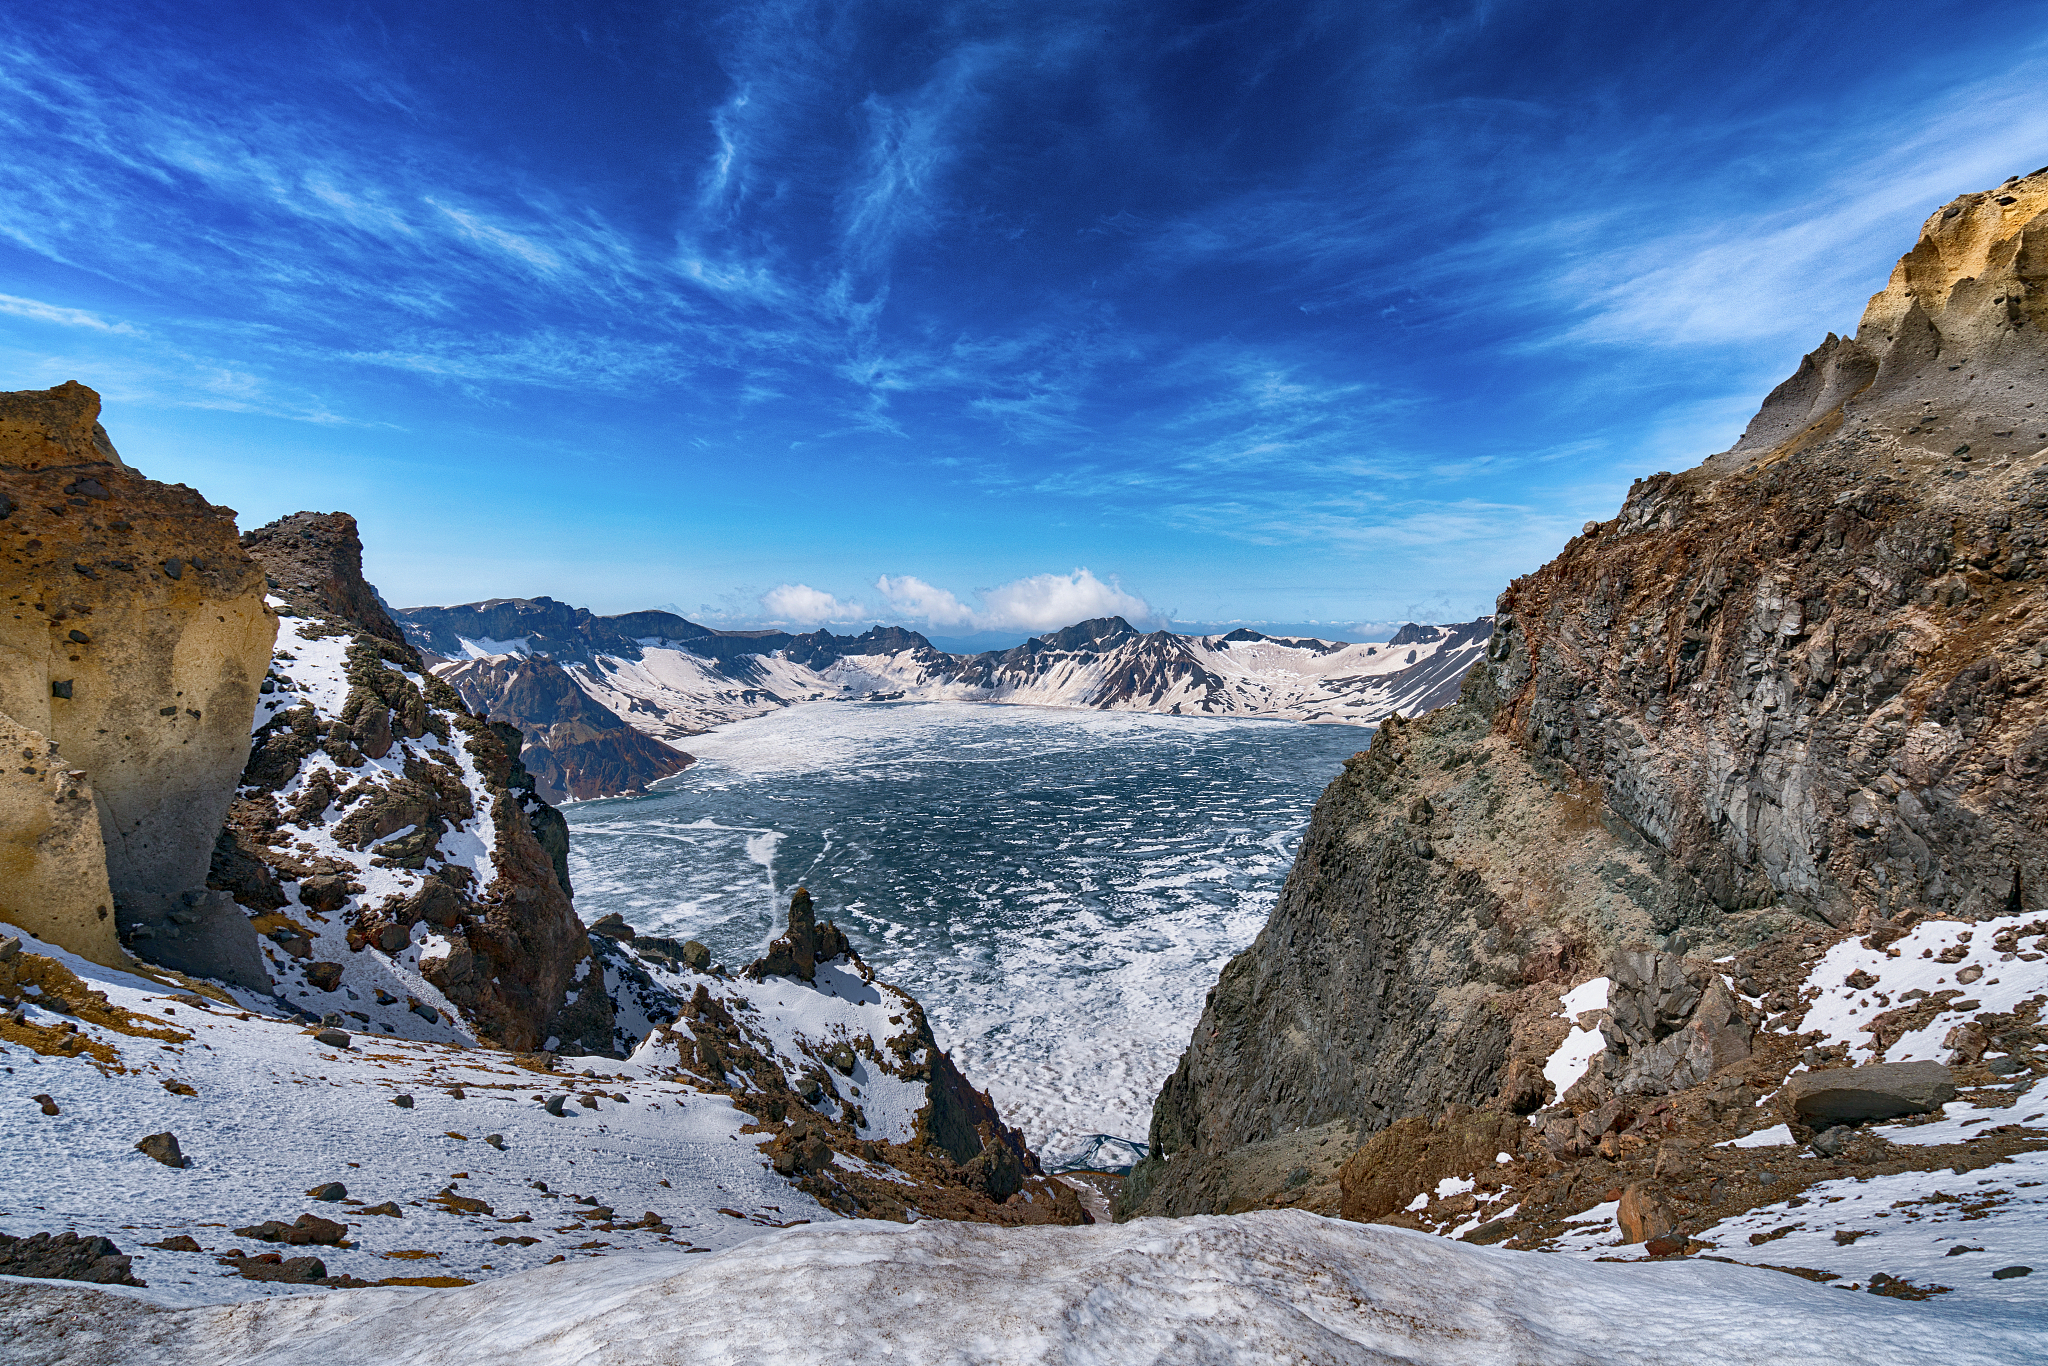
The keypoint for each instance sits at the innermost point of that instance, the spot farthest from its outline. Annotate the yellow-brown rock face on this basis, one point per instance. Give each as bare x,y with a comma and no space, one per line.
133,638
53,864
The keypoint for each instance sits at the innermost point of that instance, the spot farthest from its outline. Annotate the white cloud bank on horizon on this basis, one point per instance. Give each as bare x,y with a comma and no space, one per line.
1037,603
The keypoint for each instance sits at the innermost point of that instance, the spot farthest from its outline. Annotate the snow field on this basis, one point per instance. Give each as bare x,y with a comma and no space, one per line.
1268,1287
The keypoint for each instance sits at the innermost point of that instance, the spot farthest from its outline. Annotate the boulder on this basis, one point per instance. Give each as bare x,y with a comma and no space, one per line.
1642,1215
697,956
333,1038
1851,1095
307,1228
614,926
65,1257
163,1147
323,976
324,893
800,1150
178,1242
331,1190
1669,1027
271,1266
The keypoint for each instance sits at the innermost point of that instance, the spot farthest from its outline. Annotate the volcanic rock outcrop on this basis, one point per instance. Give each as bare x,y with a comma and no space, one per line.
384,836
132,644
860,1062
1791,694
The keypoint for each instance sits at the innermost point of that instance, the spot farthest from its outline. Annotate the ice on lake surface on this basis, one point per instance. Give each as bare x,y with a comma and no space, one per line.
1060,888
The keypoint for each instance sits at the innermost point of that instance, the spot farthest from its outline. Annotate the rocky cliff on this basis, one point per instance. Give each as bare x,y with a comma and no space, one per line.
388,841
1791,694
132,643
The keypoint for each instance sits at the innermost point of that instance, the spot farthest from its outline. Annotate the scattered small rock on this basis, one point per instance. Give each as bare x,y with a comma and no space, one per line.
387,1208
1831,1142
49,1106
1898,1289
332,1190
553,1104
178,1242
333,1038
163,1147
496,1141
2006,1273
402,1102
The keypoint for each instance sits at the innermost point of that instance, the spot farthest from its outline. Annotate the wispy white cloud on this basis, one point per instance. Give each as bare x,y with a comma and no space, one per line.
37,311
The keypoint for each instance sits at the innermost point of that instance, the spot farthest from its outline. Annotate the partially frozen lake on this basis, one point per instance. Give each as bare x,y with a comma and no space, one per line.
1060,888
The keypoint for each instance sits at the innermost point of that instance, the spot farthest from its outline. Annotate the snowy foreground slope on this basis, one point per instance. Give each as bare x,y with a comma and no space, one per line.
647,1223
1272,1287
453,1161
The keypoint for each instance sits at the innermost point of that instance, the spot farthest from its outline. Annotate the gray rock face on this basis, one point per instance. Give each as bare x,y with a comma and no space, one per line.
1850,1095
202,933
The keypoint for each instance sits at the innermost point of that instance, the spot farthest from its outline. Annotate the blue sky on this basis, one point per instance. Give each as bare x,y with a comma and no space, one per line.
974,317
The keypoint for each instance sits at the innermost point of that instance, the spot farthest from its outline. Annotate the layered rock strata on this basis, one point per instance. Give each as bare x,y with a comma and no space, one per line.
132,644
1790,694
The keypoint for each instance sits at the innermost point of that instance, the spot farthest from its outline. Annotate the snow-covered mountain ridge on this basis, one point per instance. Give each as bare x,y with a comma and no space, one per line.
670,678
